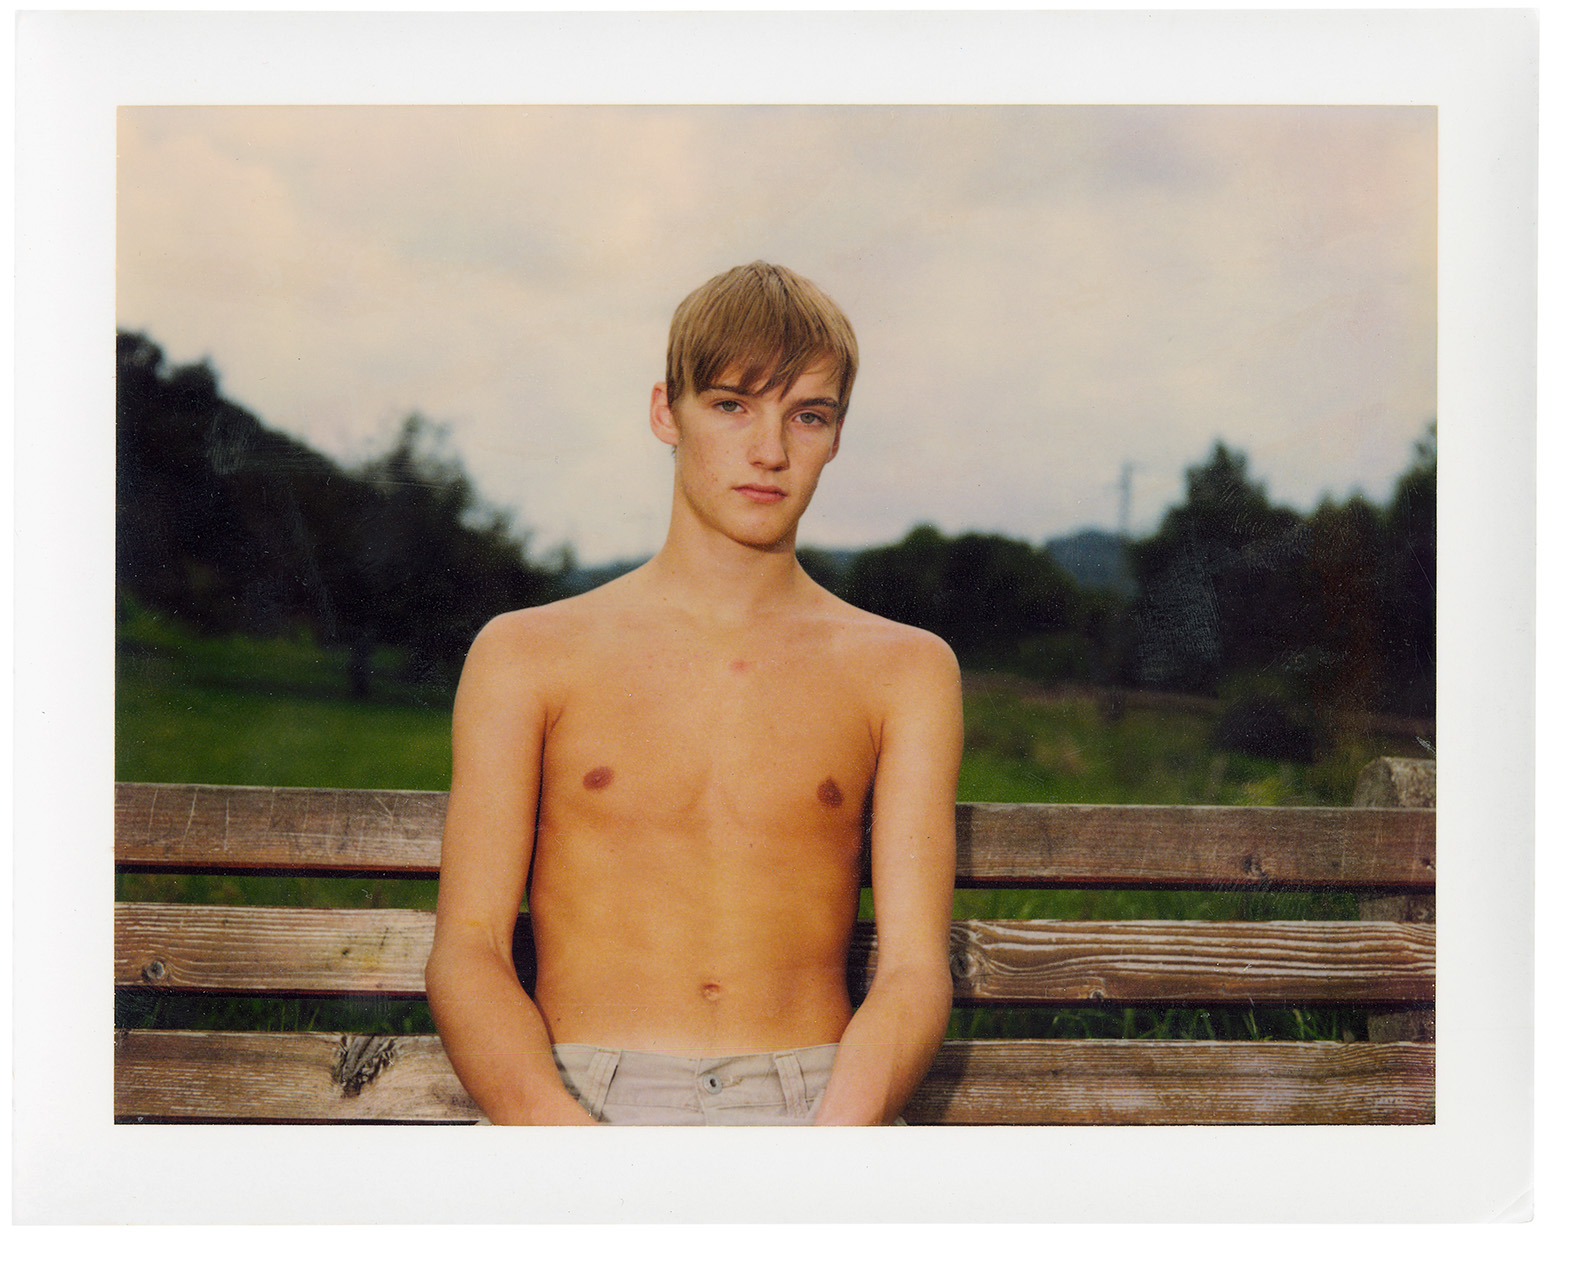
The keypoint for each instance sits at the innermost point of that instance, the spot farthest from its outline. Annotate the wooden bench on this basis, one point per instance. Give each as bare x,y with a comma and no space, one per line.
1383,961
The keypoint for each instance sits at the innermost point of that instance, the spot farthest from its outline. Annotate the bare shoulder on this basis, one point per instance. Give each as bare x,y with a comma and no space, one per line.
533,647
896,657
552,626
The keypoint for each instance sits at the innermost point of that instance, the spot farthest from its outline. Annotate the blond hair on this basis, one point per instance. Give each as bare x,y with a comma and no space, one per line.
765,322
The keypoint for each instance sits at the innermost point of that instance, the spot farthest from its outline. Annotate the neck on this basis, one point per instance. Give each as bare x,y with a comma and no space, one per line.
713,575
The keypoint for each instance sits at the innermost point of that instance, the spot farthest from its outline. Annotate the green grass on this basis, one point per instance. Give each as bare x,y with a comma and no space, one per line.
1065,750
244,712
278,712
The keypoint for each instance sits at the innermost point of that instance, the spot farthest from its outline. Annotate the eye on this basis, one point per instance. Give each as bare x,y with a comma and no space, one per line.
813,419
729,406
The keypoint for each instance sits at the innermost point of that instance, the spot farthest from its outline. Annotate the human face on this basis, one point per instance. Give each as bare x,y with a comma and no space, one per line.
747,465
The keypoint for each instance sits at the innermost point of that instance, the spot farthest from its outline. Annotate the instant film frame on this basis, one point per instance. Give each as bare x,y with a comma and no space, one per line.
78,69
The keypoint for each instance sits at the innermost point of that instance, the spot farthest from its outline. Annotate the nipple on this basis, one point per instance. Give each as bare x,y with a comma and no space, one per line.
598,778
829,793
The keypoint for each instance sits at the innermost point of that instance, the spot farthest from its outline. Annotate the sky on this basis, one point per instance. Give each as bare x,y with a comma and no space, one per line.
1043,295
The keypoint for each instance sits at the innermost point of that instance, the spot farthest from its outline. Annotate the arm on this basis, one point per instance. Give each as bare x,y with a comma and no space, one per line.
893,1036
492,1032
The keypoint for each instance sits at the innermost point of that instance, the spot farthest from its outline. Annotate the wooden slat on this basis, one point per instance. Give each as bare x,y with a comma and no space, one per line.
1176,1082
1112,845
294,1076
230,828
219,828
259,949
1179,963
218,1076
295,951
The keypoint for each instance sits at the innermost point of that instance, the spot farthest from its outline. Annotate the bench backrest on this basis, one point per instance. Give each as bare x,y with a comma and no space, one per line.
1382,961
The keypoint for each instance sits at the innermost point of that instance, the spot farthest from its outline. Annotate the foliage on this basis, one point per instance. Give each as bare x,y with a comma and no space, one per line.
236,528
977,591
1213,580
1299,620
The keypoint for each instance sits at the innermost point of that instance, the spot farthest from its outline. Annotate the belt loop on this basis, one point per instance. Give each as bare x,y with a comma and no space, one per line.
792,1078
598,1078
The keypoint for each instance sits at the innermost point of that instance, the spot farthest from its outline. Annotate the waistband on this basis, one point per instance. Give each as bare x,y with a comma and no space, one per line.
784,1083
810,1057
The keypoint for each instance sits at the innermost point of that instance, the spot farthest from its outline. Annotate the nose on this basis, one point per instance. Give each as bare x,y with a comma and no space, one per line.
767,445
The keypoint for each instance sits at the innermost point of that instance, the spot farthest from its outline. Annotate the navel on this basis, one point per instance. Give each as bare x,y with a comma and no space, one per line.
829,793
598,777
711,992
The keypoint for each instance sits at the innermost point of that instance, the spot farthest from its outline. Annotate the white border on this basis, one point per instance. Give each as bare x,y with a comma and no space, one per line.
73,1166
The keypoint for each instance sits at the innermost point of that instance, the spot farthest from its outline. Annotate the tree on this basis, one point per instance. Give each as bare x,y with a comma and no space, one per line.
1409,619
1335,610
1345,557
1217,583
421,563
235,527
214,513
977,591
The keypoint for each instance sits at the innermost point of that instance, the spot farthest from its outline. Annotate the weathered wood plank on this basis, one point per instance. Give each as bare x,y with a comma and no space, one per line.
259,949
1180,963
1176,1082
219,1076
1112,845
290,1076
228,828
223,828
313,951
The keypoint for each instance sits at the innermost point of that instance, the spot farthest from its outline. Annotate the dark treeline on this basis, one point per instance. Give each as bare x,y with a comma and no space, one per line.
233,527
1335,608
1296,622
1289,619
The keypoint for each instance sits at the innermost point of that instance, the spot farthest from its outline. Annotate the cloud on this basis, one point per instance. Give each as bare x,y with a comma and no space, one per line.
1041,294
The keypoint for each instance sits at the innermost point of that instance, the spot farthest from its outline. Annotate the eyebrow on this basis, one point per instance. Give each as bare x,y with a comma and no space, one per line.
819,401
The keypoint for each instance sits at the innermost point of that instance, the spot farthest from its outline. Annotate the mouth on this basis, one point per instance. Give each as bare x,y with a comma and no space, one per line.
761,493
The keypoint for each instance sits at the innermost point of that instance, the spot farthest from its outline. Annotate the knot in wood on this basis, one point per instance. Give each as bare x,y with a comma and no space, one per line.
960,957
1252,867
153,972
359,1061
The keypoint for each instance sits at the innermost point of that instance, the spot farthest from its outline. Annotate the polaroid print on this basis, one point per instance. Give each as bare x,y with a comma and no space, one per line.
1148,424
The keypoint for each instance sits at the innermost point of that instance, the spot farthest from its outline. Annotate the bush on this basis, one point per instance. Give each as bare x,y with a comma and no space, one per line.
1263,727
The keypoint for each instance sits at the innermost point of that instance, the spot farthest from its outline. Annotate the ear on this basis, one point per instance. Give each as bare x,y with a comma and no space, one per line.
662,424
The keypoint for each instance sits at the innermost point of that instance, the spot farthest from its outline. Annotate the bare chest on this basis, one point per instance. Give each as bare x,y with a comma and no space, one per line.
706,737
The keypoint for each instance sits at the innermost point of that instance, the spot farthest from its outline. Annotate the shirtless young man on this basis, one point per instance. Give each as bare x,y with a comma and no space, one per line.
679,762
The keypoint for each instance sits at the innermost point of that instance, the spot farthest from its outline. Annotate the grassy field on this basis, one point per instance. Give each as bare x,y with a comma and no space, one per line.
278,713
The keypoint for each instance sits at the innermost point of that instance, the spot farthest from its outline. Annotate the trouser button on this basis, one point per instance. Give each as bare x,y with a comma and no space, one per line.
712,1083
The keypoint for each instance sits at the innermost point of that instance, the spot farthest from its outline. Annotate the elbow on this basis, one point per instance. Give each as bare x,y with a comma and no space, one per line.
460,963
436,973
942,996
936,995
445,967
927,993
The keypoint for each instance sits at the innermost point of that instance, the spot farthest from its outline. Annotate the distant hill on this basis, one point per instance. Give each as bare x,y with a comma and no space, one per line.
1095,559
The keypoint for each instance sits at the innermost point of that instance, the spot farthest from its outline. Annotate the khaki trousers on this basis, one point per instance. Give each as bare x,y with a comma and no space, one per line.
634,1087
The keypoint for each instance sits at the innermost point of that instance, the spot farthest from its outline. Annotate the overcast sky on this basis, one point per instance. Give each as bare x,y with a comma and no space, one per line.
1041,294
